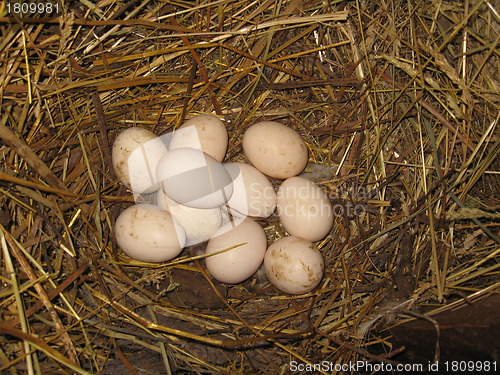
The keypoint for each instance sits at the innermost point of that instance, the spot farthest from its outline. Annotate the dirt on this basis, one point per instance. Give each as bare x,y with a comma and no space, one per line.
469,333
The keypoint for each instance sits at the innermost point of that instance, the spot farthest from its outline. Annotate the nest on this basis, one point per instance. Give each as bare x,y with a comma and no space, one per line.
398,104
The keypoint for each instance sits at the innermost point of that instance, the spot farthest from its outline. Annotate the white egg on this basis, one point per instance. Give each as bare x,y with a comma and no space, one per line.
199,224
294,265
194,179
204,132
135,154
253,194
275,149
304,209
239,263
147,233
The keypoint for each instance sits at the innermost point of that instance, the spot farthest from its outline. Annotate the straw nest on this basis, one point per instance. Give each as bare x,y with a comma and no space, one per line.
397,102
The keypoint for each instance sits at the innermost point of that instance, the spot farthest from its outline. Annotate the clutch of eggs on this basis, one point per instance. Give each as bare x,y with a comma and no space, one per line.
199,198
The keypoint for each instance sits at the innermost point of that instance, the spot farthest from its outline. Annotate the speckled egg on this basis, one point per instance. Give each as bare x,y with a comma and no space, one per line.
135,154
294,265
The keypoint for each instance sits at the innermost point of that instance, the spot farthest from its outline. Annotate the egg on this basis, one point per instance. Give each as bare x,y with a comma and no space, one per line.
204,132
149,234
194,179
294,265
275,149
135,155
304,209
253,194
239,263
199,224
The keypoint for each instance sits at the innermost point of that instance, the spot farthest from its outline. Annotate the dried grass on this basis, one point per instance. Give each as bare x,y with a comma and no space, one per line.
398,103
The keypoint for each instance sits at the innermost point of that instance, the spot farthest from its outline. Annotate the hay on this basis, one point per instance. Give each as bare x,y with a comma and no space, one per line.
398,103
